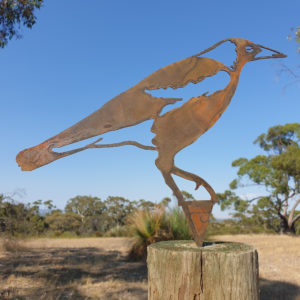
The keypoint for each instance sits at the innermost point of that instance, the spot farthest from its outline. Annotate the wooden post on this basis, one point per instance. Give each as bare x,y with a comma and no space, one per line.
179,270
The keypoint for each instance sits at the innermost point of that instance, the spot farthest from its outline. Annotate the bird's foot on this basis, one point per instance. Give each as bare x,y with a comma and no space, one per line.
198,184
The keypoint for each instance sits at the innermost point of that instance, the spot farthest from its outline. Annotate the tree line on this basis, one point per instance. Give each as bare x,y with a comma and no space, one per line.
82,216
275,208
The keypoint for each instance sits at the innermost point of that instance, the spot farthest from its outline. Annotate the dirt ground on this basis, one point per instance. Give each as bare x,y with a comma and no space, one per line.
97,268
87,268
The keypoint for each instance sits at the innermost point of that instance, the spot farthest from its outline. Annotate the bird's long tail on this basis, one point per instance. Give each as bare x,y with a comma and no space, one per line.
42,154
114,115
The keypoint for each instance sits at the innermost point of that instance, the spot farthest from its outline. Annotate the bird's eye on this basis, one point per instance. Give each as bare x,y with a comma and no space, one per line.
249,49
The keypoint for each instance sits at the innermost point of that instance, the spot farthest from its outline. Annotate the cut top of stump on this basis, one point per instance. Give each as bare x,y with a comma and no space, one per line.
191,246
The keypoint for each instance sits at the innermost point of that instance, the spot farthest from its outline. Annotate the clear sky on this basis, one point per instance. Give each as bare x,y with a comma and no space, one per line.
80,54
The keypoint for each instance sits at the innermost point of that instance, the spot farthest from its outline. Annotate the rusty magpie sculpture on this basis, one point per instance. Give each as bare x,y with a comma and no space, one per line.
174,130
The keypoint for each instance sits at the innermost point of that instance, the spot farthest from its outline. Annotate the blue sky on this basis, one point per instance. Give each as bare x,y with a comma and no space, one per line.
80,54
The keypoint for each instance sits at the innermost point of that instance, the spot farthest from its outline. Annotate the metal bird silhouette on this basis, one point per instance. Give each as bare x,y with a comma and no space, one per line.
174,130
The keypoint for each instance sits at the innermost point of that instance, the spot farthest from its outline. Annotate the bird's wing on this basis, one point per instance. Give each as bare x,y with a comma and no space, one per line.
177,75
127,109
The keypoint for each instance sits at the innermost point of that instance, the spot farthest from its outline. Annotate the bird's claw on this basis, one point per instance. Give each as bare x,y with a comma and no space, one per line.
198,184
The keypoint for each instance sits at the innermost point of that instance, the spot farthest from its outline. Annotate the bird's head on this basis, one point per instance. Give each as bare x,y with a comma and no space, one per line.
247,51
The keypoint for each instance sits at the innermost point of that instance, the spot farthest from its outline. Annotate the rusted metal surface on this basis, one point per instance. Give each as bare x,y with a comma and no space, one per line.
174,130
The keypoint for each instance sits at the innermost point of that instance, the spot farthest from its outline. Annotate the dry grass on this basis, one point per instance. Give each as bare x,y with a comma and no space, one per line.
108,244
115,289
97,268
90,268
11,245
279,263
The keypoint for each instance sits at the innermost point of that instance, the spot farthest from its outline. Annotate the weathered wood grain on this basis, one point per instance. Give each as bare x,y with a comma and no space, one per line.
180,270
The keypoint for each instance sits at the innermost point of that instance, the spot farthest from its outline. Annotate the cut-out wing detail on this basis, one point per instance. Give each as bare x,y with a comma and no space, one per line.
127,109
177,75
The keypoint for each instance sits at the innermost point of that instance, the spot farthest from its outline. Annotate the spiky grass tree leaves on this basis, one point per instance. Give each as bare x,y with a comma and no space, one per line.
13,14
178,224
148,226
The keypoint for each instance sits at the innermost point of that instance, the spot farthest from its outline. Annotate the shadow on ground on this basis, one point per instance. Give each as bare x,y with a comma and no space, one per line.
57,273
278,290
90,273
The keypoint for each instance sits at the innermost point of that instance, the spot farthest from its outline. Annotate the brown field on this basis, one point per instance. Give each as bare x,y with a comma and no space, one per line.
97,268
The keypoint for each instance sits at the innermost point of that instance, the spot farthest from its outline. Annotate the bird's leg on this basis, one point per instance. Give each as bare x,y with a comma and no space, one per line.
196,213
171,183
197,179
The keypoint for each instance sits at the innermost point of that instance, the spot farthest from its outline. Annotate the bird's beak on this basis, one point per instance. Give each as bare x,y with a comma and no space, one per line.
275,54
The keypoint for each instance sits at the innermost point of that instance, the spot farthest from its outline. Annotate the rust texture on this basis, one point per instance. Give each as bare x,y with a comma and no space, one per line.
174,130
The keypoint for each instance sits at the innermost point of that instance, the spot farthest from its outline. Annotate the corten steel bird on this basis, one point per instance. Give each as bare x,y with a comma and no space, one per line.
174,129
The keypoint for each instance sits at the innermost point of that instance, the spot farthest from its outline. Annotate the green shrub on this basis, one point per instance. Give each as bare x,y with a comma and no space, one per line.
178,225
119,231
153,225
148,226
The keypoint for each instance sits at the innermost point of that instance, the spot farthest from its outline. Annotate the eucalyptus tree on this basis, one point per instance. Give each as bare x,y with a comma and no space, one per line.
278,172
13,15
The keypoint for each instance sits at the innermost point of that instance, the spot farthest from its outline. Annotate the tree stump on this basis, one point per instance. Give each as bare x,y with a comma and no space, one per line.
219,270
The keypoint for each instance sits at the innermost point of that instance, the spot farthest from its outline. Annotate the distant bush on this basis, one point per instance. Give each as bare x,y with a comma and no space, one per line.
87,216
12,245
231,226
119,231
61,234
